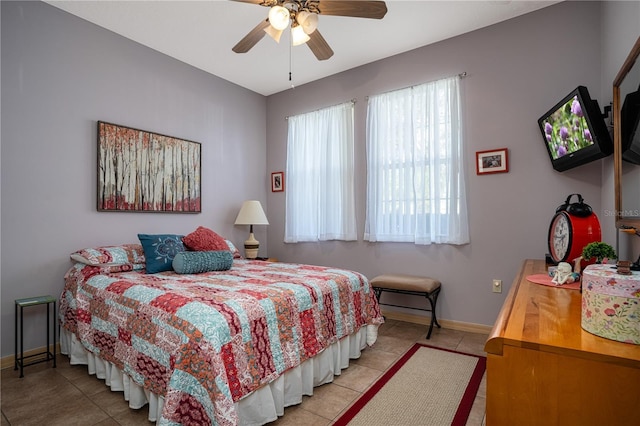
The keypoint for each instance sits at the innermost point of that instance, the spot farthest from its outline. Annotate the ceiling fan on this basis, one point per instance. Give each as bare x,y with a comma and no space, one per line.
302,15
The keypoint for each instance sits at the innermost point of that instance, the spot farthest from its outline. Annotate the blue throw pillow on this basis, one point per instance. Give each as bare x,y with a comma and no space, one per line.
159,251
195,262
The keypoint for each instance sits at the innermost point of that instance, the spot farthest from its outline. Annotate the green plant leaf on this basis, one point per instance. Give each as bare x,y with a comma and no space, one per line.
599,250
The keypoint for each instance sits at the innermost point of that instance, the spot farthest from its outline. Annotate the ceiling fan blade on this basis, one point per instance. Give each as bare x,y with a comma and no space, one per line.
356,8
319,46
250,40
260,2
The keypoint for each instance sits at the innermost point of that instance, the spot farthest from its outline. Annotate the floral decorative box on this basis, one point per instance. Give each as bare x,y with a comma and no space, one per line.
611,303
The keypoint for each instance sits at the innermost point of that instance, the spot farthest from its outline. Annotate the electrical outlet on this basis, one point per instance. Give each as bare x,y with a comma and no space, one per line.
497,286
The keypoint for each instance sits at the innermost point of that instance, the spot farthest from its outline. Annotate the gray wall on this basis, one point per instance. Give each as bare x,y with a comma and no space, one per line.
516,71
59,75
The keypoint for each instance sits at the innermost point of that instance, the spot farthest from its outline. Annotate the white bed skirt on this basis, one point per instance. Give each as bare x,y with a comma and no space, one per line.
259,407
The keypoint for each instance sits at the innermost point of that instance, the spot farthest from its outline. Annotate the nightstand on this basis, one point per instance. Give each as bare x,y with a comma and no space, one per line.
20,304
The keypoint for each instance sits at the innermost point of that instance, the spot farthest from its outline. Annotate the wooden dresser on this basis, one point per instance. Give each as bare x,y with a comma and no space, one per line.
544,369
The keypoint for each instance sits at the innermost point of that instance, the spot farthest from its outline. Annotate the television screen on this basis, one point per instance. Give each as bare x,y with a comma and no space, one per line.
574,131
630,127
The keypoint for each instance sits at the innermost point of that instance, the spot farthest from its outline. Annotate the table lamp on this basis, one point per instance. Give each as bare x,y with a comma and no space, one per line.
251,213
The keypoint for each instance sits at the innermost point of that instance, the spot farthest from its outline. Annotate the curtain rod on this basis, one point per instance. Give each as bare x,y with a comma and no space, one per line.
353,101
461,75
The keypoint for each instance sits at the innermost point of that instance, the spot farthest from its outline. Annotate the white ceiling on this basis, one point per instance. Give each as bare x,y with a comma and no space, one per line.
202,33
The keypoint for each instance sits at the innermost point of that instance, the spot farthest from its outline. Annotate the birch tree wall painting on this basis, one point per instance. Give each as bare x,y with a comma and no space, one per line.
141,171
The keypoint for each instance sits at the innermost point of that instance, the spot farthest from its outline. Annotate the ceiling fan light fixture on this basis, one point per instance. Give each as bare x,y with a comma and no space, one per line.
298,36
279,17
301,16
308,21
273,33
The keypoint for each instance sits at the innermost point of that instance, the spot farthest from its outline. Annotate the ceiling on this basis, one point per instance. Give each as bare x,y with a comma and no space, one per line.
202,33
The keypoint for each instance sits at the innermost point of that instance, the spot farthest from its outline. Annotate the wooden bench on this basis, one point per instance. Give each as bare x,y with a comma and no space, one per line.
413,285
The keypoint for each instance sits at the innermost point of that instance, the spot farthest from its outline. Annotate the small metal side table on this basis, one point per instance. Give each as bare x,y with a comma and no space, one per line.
19,328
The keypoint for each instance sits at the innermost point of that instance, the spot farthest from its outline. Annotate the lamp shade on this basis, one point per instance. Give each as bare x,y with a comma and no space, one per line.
298,36
308,21
279,17
251,213
273,33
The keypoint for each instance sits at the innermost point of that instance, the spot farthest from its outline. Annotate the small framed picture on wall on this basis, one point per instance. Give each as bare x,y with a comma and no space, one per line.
494,161
277,181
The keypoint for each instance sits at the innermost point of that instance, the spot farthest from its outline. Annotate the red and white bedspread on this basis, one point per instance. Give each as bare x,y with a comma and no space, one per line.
205,341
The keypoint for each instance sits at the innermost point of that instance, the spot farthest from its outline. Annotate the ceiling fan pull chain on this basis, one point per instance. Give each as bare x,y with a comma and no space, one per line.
290,63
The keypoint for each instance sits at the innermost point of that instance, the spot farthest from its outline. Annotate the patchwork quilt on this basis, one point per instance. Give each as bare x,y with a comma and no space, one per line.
205,341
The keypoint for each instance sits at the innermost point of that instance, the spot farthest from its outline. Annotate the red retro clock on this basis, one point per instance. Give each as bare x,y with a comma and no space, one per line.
572,227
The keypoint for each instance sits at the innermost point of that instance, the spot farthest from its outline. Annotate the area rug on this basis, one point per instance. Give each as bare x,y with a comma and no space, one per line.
427,386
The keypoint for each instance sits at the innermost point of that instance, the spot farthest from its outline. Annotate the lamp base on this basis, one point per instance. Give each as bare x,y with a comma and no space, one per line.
251,247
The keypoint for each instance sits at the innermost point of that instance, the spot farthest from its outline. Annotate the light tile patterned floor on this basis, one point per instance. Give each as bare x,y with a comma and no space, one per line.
68,396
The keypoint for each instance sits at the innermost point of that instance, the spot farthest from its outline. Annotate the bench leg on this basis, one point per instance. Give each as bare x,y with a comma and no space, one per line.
378,293
433,298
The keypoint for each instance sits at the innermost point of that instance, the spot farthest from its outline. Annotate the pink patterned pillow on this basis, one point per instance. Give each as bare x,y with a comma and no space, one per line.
110,269
204,239
123,254
234,250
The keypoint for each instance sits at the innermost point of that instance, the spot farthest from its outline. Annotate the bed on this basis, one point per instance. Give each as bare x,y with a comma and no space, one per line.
224,347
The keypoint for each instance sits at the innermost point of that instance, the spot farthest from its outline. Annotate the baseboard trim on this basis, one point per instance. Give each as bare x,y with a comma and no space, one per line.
9,361
425,320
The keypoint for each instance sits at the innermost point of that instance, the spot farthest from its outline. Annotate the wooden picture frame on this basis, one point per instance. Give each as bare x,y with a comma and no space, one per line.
492,161
277,181
141,171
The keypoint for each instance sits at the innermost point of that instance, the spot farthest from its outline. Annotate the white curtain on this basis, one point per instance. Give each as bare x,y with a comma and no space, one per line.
320,199
416,167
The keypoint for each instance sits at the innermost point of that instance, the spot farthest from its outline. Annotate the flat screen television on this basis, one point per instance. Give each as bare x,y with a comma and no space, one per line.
574,131
630,127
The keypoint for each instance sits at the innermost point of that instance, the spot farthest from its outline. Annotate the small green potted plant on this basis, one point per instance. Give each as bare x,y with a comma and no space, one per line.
598,250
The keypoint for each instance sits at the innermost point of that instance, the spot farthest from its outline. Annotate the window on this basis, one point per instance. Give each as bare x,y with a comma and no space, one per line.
415,160
320,201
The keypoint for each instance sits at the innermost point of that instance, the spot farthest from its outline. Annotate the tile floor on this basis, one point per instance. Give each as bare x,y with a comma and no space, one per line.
67,395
